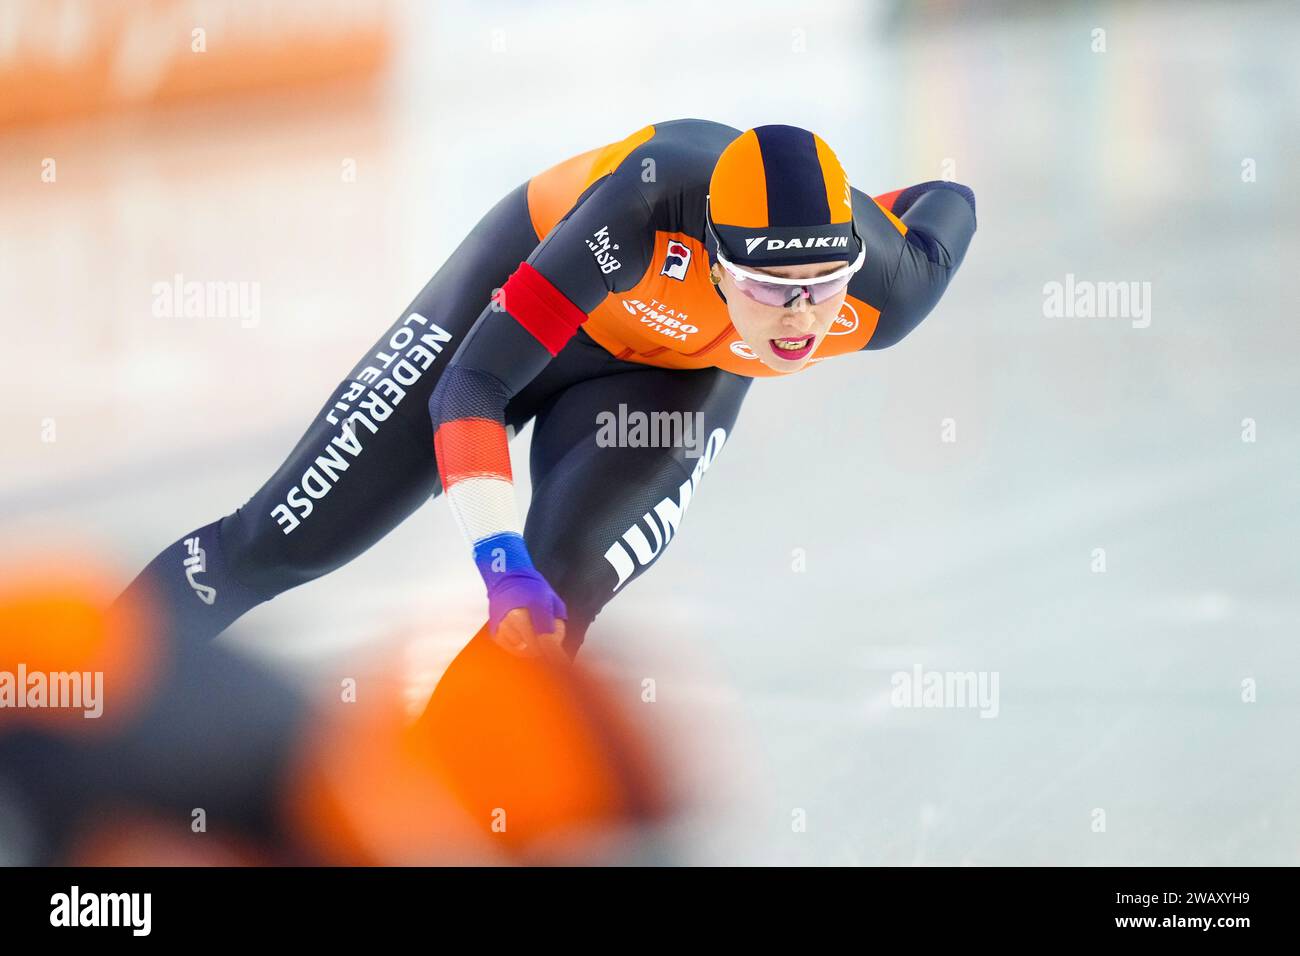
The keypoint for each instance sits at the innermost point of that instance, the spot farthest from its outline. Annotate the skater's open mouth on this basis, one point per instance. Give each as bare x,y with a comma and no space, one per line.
792,349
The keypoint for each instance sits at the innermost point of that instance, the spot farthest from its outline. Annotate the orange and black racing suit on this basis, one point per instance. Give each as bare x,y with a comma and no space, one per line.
580,302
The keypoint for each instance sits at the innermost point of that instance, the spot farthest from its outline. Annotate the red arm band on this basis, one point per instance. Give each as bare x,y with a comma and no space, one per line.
541,308
887,199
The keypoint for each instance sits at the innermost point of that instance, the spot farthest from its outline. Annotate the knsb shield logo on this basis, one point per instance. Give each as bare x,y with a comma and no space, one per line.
677,261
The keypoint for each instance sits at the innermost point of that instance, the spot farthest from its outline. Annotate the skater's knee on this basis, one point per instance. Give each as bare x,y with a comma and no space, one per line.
575,629
582,579
260,558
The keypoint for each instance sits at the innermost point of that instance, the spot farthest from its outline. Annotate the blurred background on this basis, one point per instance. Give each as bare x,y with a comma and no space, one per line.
1099,510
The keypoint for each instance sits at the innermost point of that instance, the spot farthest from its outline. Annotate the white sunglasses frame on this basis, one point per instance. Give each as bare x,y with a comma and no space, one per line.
740,272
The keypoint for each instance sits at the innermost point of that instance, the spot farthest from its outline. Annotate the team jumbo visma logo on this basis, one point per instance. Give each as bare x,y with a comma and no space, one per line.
677,261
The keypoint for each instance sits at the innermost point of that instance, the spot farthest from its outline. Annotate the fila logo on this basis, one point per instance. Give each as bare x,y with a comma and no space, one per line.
808,242
196,562
677,261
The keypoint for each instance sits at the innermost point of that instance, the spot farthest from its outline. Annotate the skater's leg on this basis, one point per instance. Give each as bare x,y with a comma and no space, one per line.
602,514
364,464
599,517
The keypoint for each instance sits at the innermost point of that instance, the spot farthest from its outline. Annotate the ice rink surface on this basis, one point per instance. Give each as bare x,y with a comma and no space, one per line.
839,539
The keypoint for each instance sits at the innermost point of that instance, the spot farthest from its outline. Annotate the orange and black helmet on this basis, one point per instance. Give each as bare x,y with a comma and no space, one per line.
779,196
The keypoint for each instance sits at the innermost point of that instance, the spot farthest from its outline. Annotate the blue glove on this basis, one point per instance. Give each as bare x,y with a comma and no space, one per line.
525,588
512,582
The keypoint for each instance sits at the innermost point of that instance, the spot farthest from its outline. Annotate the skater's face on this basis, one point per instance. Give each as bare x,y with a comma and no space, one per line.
784,337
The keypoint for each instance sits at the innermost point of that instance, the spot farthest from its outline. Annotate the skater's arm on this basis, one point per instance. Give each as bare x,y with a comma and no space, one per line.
930,226
602,246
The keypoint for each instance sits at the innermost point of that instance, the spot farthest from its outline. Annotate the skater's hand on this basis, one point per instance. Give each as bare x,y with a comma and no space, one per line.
525,615
516,634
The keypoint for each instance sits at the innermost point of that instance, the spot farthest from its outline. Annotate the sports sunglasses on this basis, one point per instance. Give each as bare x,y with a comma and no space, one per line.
781,292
